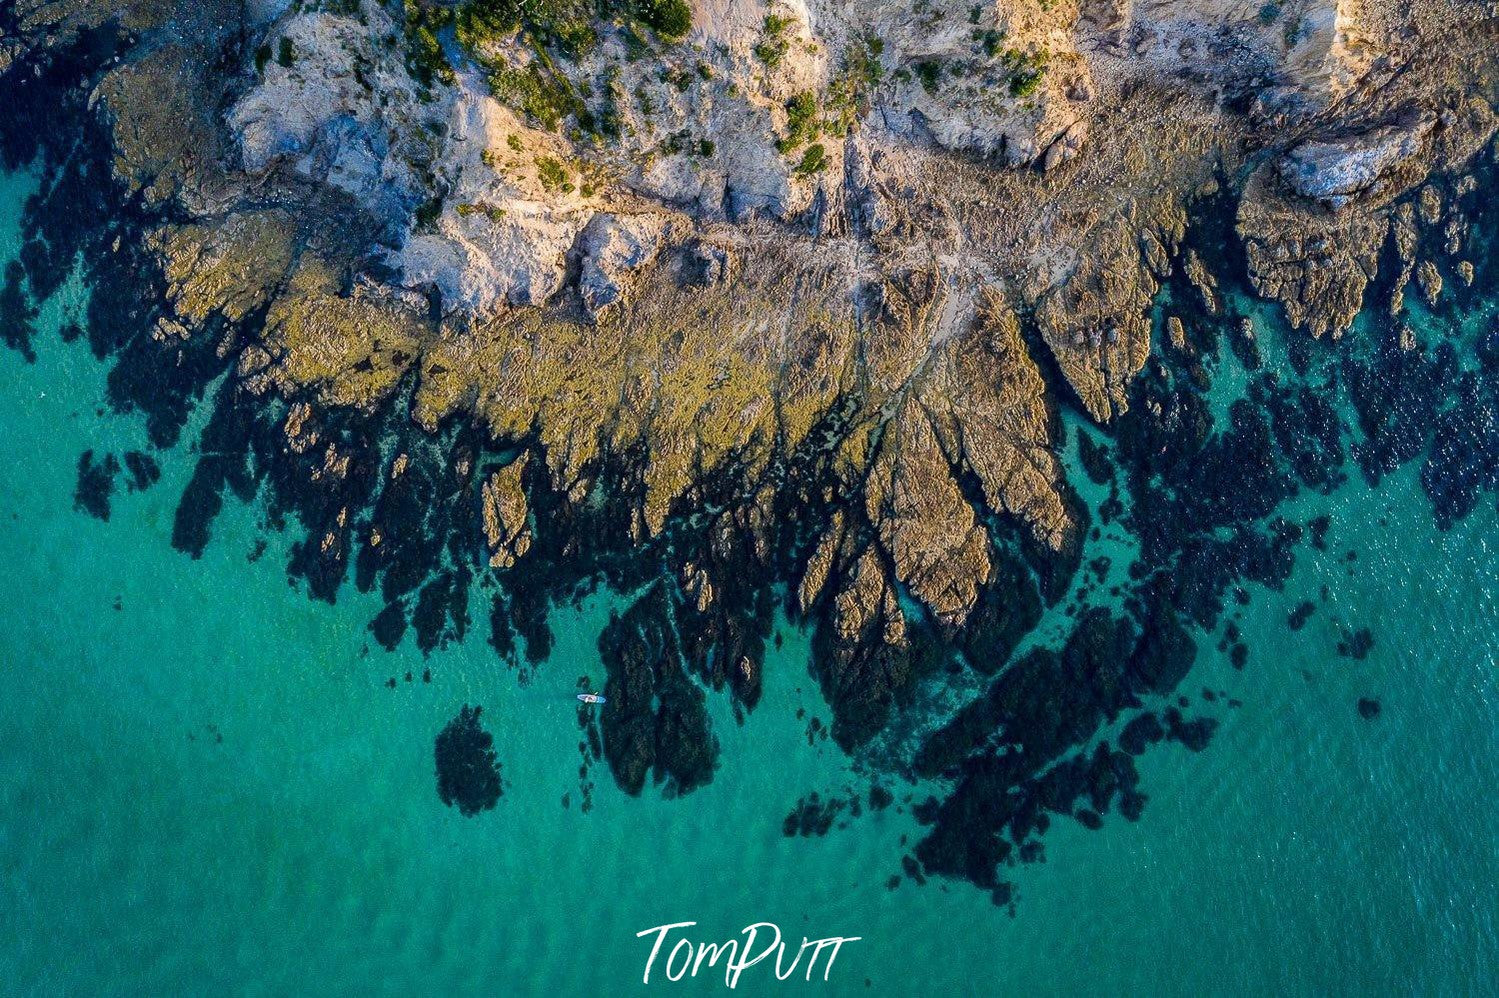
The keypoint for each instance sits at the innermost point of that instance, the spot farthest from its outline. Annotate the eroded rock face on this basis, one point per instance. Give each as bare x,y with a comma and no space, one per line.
611,249
1319,263
315,109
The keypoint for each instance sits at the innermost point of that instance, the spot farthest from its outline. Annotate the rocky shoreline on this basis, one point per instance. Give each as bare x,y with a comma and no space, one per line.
841,397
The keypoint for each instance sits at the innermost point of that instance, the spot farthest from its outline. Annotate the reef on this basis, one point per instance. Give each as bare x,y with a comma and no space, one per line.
654,718
746,309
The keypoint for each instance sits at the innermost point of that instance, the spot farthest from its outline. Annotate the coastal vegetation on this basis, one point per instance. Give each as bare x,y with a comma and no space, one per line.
774,43
1026,69
518,44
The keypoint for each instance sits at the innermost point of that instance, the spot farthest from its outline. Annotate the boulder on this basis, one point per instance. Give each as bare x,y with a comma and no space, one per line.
611,248
1335,172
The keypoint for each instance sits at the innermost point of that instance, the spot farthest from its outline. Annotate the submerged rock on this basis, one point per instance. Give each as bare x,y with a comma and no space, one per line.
654,719
96,483
468,772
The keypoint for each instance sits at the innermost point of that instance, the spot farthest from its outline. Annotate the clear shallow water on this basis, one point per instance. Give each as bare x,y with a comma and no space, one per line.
1305,851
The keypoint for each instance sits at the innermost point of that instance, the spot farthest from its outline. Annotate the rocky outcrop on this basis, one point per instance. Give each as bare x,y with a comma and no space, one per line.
1318,263
505,512
312,109
933,538
612,248
1065,147
1334,172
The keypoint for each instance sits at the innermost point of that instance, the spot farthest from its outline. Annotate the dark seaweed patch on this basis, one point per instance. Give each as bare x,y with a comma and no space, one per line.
17,314
1194,734
96,483
1141,732
1317,527
468,772
144,471
441,613
501,634
654,719
1356,644
389,626
1007,609
1300,614
1094,458
812,816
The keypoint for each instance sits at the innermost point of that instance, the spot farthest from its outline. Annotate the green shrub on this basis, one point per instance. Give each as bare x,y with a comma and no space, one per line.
489,211
285,53
481,23
801,121
553,175
990,40
929,72
541,89
671,19
262,56
773,44
576,37
609,124
425,60
862,72
428,211
1026,69
635,46
813,160
1024,84
541,93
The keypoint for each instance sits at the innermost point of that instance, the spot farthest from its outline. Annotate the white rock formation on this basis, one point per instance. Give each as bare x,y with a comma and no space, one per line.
1336,171
320,114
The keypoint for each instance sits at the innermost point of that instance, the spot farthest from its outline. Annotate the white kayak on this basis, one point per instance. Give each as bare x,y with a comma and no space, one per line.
590,698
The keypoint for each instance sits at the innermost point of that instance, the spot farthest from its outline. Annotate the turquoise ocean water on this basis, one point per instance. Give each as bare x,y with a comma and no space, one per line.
207,787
